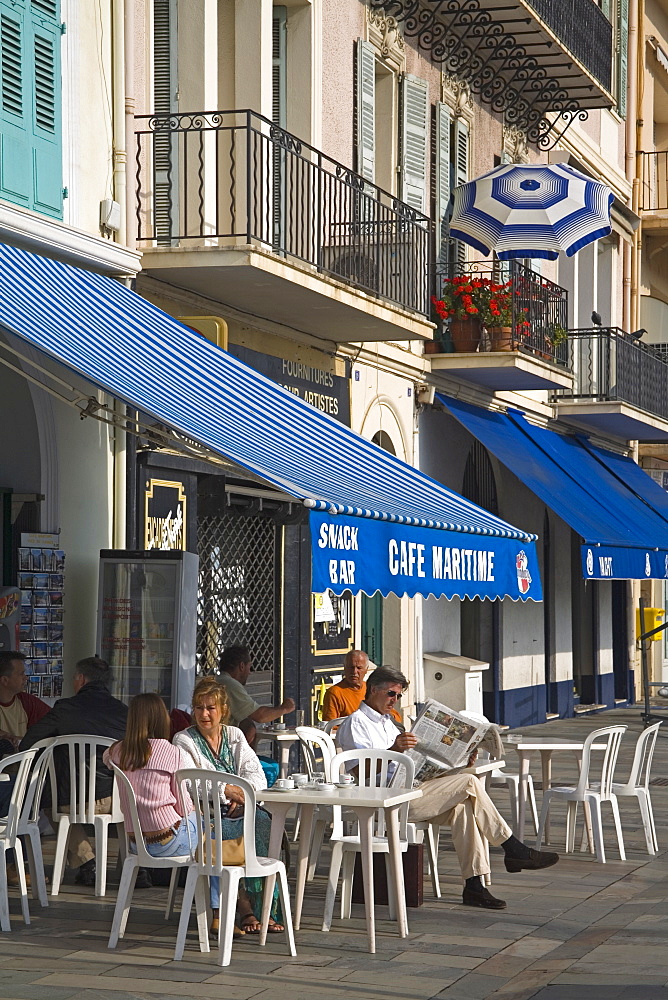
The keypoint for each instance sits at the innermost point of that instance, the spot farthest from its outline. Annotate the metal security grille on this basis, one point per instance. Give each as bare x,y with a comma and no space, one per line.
479,483
238,587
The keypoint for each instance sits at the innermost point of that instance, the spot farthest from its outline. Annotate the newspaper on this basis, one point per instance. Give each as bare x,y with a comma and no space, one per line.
446,740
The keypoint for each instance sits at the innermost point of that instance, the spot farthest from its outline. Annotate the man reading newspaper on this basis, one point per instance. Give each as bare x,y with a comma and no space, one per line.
441,741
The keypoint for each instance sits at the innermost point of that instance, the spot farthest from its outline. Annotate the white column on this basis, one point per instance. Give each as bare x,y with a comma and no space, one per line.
252,44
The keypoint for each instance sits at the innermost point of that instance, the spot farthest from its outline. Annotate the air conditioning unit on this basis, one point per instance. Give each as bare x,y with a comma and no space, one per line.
387,265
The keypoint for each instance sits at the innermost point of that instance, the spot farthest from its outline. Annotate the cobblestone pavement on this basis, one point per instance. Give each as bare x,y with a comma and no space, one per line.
578,931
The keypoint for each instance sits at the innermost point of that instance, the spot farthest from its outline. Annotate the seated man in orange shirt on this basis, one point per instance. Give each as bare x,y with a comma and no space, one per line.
346,697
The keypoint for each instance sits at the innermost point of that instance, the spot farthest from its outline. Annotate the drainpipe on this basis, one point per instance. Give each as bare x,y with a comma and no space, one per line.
130,138
633,126
118,14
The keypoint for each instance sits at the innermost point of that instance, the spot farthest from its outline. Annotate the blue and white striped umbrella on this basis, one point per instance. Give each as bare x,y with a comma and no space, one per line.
521,210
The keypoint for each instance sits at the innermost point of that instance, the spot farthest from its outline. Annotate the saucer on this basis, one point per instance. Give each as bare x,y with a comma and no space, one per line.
322,787
345,784
280,789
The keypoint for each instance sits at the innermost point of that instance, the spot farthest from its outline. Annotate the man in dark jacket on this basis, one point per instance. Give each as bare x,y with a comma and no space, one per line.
91,712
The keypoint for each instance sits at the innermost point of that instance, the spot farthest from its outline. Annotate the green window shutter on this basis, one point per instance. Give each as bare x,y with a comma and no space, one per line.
605,7
46,113
414,119
460,159
279,66
443,125
15,139
366,110
622,55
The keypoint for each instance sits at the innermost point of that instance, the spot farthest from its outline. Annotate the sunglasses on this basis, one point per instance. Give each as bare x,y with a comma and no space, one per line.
393,694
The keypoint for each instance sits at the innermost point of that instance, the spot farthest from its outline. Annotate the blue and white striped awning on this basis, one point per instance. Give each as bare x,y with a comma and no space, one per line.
128,347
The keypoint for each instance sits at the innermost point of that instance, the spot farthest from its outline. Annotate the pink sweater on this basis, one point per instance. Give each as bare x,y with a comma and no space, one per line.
158,804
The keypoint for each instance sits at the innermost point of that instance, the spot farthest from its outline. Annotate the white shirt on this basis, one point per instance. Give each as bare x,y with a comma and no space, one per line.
366,729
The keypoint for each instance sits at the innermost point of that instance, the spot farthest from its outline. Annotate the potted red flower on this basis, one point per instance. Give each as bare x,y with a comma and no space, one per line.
461,303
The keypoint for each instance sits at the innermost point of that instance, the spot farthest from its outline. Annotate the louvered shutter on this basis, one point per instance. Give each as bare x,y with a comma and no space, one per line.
443,126
47,129
366,110
460,154
165,149
414,116
622,55
279,66
30,105
605,7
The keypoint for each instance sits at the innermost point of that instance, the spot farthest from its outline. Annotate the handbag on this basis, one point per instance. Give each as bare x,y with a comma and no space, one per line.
233,851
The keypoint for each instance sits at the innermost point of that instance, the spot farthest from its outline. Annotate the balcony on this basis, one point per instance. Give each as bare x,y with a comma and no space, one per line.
524,348
525,58
620,386
236,209
654,191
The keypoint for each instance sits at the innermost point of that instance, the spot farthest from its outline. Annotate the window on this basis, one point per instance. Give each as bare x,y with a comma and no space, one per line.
30,105
617,11
414,119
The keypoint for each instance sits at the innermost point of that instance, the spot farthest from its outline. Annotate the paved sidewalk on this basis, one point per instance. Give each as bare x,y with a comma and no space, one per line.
578,931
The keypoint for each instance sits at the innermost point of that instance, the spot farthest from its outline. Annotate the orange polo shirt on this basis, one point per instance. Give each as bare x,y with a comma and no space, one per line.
341,699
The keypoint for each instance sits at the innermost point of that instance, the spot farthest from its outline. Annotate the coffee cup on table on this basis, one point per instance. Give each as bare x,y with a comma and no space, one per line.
299,779
285,783
346,779
279,726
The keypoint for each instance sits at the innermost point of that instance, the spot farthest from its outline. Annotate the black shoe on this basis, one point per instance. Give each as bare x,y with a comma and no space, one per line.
86,874
482,897
533,861
144,880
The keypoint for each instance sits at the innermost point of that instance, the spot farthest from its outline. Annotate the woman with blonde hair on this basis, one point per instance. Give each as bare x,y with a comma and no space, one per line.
214,746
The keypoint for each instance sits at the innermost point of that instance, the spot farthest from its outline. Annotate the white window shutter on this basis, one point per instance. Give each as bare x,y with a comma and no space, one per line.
165,148
443,192
366,110
414,121
460,156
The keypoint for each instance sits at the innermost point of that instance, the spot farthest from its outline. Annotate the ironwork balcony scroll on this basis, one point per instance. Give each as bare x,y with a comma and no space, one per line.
469,42
227,178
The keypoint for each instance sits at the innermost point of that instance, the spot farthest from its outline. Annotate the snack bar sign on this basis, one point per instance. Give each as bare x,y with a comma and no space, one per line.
361,554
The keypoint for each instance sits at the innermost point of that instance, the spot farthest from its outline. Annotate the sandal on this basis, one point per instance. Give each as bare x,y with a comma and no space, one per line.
275,928
246,921
215,924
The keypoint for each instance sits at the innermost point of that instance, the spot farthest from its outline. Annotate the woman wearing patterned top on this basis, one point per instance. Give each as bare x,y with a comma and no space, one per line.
214,746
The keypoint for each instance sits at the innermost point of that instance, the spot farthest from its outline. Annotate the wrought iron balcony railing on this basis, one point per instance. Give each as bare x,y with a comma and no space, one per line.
609,365
585,31
540,63
518,308
228,177
654,181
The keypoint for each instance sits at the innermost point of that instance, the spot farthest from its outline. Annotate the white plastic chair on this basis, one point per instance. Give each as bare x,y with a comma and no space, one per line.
318,749
82,754
205,789
329,727
29,820
638,783
9,835
593,794
373,771
142,859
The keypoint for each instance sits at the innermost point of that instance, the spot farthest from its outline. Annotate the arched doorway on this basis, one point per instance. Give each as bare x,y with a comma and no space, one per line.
480,620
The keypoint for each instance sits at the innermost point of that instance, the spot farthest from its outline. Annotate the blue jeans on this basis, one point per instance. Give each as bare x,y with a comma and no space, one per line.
182,843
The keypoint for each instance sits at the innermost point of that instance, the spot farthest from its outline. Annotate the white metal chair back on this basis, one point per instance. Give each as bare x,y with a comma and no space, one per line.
328,727
10,824
642,760
318,749
375,770
206,790
81,753
612,735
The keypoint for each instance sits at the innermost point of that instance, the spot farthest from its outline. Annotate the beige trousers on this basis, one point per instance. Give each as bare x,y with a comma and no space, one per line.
461,802
79,848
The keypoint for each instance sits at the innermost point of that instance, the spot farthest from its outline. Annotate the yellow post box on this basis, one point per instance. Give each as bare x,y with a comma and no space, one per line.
653,618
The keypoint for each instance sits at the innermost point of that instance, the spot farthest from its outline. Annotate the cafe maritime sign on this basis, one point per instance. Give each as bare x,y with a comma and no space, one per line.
362,554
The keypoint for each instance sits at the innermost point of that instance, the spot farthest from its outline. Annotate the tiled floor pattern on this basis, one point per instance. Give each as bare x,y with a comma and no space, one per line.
578,931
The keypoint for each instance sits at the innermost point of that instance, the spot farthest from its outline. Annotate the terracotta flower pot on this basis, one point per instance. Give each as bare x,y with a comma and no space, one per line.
465,334
433,347
501,338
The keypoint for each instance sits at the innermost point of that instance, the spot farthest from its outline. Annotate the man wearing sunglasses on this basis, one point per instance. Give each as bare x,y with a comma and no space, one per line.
457,800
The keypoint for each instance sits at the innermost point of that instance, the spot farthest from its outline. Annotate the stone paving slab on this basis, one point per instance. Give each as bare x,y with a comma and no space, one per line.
578,931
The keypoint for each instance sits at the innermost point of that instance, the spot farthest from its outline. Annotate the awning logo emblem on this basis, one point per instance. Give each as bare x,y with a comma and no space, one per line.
590,562
523,574
648,565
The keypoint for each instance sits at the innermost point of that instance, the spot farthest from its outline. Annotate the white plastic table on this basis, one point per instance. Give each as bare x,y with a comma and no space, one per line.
525,746
364,802
284,738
